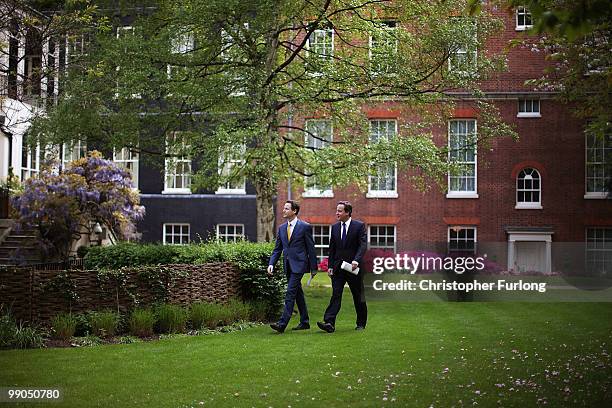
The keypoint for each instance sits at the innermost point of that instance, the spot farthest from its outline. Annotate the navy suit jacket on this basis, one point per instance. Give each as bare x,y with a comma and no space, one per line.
298,252
352,249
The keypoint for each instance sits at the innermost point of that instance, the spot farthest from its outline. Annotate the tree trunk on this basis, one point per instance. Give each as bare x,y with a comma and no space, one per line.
265,210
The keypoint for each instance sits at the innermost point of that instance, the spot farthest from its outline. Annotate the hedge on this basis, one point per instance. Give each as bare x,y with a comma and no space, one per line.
250,258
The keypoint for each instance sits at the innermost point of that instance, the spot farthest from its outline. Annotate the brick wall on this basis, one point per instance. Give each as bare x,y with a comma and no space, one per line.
554,144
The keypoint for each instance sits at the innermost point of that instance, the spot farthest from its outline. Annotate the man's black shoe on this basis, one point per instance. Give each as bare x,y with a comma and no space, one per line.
301,326
327,327
277,327
359,328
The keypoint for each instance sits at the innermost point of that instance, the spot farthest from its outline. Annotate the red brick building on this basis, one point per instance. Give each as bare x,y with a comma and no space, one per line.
523,200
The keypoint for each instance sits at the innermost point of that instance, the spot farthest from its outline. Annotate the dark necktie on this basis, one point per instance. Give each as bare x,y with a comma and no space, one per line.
343,237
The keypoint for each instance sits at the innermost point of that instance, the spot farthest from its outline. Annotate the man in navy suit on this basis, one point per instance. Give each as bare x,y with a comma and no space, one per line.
294,239
348,244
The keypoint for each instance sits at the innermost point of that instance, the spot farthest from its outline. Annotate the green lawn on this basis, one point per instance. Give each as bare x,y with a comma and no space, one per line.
411,354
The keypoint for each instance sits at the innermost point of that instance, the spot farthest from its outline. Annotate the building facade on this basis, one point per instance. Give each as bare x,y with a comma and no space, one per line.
30,70
532,204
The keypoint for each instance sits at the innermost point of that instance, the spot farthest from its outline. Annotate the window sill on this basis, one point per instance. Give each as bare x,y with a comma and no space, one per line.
456,194
523,28
596,196
381,194
177,191
318,194
230,191
528,115
528,206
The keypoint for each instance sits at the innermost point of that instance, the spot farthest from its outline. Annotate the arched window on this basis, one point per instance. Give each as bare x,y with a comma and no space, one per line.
529,189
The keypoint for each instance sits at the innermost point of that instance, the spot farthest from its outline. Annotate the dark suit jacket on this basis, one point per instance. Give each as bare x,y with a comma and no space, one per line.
299,252
354,246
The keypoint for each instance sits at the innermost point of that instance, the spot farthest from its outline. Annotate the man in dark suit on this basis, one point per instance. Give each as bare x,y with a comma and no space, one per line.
348,244
295,241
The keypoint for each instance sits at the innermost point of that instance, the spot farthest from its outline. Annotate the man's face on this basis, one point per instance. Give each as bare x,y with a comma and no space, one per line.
288,213
341,215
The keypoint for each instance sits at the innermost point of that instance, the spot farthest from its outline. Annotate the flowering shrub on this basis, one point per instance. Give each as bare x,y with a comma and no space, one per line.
61,206
323,265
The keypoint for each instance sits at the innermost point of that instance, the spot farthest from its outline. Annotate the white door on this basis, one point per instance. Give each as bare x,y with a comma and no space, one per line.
530,256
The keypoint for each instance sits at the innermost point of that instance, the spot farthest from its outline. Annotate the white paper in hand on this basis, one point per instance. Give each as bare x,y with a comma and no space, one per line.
349,268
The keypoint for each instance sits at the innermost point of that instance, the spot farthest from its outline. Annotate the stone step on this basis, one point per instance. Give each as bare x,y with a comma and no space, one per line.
21,236
25,252
19,242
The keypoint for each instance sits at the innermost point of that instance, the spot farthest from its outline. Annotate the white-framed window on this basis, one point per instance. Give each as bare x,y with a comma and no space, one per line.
30,161
127,159
383,47
181,44
176,234
177,167
523,19
318,135
321,235
461,239
599,251
230,232
462,152
72,151
528,108
33,73
382,237
230,165
382,181
463,54
77,46
321,43
234,55
598,165
319,49
528,189
123,32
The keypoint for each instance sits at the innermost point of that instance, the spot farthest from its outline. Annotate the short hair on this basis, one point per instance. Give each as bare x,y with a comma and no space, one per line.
295,206
347,207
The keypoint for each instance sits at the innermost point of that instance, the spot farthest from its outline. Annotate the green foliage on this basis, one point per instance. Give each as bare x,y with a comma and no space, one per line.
83,327
103,324
27,337
203,314
250,258
8,327
141,322
211,315
64,326
87,341
129,340
63,285
171,318
238,310
129,254
252,60
82,251
261,311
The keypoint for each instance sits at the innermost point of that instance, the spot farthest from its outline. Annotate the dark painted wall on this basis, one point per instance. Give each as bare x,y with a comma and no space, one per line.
202,212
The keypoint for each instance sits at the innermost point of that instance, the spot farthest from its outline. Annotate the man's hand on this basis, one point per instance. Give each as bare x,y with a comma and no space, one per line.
355,265
270,269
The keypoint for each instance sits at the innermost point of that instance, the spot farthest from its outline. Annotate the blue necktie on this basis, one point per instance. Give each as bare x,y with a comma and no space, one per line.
343,237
